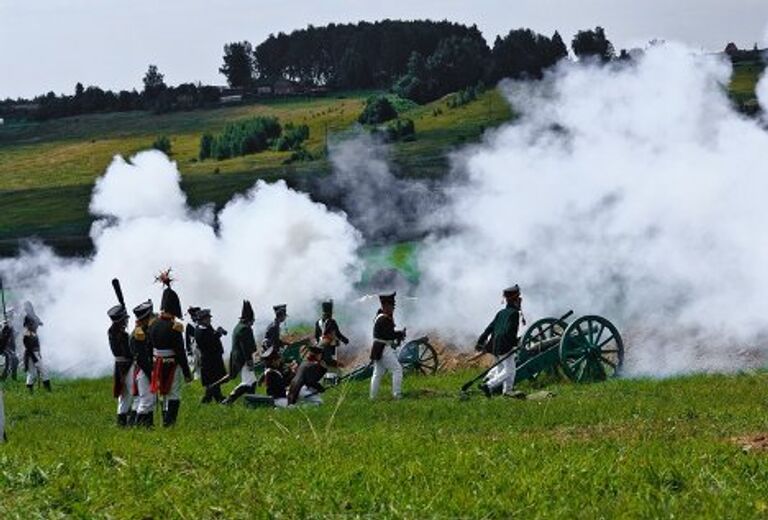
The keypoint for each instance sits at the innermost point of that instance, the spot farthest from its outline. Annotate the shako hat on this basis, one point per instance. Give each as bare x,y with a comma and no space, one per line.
193,311
247,313
387,298
201,314
143,310
512,291
117,313
327,306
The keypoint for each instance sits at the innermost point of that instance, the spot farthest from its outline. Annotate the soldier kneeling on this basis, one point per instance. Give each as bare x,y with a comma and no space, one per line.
306,384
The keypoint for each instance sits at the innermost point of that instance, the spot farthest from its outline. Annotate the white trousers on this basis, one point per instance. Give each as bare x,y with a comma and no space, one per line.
125,399
37,369
388,362
247,377
2,418
307,396
146,399
503,374
281,402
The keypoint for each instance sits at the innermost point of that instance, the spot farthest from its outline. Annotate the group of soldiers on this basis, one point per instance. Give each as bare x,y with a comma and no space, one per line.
151,363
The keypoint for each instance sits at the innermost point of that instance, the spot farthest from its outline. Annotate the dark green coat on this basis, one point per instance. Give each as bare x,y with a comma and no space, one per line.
500,336
243,347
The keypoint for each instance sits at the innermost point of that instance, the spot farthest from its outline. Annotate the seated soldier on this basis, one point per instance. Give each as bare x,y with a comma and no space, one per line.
306,385
275,377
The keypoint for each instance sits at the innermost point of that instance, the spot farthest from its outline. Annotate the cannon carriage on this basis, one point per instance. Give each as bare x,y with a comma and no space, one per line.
588,349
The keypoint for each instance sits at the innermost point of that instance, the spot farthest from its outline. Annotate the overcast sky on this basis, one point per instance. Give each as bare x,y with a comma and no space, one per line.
52,44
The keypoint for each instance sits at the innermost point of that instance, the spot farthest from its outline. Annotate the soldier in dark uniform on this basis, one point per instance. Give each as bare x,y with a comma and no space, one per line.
141,351
385,341
190,341
170,367
208,341
242,354
33,360
499,338
276,377
328,335
272,334
122,379
8,346
306,384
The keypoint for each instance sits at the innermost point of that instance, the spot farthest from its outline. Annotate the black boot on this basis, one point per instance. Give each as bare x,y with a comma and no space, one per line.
207,397
31,389
122,420
486,391
47,385
169,418
236,393
145,420
217,395
132,418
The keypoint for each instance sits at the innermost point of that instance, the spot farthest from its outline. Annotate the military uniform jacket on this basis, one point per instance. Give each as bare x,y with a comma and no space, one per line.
211,351
31,349
243,347
166,334
141,349
272,337
330,328
310,374
384,335
500,336
275,381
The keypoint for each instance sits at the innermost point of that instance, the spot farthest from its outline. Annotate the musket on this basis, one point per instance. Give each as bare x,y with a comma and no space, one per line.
2,293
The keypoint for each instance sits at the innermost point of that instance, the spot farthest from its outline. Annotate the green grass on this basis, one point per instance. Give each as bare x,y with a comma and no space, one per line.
744,80
47,169
631,448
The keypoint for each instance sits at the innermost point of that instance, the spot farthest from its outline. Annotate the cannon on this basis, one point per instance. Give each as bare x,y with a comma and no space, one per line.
588,349
417,355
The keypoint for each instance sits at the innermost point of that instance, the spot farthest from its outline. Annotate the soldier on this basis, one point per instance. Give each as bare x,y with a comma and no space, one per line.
306,383
272,334
170,367
327,333
190,342
122,386
276,377
499,338
141,351
8,346
385,341
3,375
241,358
208,341
33,361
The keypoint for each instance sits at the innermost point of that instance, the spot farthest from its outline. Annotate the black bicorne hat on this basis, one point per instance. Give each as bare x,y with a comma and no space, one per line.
117,313
193,311
387,298
201,314
143,310
247,313
512,291
327,306
170,303
280,309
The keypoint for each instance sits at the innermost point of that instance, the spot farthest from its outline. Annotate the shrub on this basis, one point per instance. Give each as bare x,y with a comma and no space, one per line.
163,144
206,145
244,137
400,130
292,138
300,155
378,109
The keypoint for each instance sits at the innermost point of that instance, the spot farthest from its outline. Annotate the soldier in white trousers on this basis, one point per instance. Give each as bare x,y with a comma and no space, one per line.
141,351
33,360
500,338
383,352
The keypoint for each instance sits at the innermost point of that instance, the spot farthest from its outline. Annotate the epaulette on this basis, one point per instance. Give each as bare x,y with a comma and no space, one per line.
138,334
178,326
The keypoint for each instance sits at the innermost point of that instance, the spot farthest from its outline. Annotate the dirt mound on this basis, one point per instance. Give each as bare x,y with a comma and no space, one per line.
756,442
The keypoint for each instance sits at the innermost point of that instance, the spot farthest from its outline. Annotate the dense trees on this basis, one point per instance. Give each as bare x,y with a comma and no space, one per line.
377,110
523,53
592,44
238,64
252,136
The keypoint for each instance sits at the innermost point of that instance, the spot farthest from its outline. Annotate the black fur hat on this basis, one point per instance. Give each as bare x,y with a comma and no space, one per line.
170,303
247,313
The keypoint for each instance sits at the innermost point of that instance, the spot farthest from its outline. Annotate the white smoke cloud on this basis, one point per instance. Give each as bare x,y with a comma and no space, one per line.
636,193
272,245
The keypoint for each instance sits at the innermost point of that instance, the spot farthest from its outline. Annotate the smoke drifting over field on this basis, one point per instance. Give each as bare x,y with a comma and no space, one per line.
272,245
636,193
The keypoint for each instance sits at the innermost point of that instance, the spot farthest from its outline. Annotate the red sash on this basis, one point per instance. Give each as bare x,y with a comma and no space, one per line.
163,372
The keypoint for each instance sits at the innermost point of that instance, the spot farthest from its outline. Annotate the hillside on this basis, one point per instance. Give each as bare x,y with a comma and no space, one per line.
47,169
624,448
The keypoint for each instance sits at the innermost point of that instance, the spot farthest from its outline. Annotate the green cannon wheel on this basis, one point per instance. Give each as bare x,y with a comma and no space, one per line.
541,330
591,350
419,355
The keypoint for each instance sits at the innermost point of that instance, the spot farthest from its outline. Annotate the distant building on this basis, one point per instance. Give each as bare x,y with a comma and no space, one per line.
285,87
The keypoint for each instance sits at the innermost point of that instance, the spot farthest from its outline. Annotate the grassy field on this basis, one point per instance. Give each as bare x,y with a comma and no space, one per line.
624,448
47,169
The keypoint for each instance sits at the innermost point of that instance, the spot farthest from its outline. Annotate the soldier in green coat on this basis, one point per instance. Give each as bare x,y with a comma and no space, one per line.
499,338
241,358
